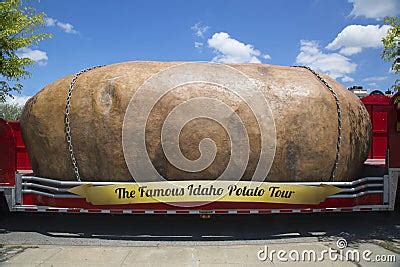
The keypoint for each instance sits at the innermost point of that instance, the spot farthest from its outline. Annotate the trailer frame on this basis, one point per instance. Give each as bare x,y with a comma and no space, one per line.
25,192
37,194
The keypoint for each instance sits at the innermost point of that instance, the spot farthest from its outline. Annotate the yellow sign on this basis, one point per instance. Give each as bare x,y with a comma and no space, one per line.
204,191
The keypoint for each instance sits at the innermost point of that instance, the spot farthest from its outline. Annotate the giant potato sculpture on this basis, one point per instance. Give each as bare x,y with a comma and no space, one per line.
304,111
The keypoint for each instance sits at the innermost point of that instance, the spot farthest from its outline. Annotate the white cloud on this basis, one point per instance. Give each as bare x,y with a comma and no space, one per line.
352,39
66,27
375,9
373,84
50,21
266,56
198,45
333,64
230,50
348,51
18,99
38,56
375,79
199,29
347,79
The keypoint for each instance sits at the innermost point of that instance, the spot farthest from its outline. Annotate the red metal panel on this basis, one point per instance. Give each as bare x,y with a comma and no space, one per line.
369,109
352,209
380,119
394,134
379,146
378,107
376,100
7,154
73,203
22,160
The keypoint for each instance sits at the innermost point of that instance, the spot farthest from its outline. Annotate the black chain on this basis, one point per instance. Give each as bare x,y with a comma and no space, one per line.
339,112
67,121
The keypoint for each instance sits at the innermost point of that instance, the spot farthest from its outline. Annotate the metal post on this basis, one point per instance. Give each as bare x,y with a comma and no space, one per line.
393,180
18,188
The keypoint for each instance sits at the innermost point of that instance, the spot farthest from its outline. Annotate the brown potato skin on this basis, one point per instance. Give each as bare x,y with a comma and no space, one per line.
304,112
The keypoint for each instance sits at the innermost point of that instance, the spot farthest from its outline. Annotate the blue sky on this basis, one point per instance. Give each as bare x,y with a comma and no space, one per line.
332,36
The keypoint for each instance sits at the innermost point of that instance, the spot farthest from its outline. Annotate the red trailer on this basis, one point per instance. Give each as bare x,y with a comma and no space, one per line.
375,190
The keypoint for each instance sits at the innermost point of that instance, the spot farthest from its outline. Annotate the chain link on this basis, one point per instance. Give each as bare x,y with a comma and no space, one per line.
67,121
339,112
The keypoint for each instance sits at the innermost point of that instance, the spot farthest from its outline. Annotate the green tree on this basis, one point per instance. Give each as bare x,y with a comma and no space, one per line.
18,29
391,50
10,112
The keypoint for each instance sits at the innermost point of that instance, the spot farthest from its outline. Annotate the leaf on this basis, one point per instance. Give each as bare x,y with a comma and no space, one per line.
19,28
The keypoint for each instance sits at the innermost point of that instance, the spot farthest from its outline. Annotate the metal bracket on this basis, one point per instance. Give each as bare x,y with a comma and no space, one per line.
18,188
386,189
393,180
